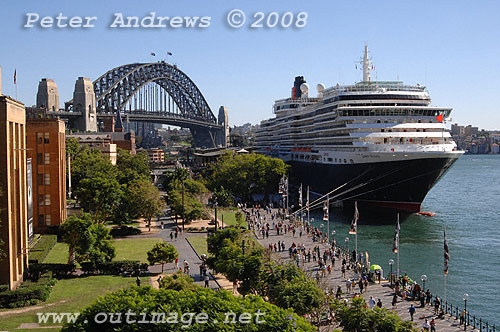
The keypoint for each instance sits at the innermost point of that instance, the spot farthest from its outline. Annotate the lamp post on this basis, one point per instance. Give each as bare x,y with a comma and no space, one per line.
347,245
333,238
423,278
391,263
183,205
215,205
465,298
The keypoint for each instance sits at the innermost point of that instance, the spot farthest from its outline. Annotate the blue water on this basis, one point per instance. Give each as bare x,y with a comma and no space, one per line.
467,202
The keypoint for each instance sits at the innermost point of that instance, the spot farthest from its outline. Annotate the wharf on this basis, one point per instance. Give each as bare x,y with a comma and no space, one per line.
381,291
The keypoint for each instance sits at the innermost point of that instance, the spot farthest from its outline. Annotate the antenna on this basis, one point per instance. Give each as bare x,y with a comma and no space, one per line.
366,64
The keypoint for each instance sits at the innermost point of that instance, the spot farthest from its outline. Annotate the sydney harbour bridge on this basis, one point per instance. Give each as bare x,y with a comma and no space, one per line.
158,93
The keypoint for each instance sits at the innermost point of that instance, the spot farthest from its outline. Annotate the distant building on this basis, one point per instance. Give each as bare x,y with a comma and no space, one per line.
457,130
471,131
156,155
46,142
495,148
13,184
98,141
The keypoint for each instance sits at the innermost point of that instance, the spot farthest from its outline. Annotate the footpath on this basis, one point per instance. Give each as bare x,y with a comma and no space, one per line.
381,291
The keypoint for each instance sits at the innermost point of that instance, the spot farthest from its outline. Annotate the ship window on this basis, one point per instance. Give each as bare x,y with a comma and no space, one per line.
389,130
330,159
345,161
382,130
352,161
335,159
378,121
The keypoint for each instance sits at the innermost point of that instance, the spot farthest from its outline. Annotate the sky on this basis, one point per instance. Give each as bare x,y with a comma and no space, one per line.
452,47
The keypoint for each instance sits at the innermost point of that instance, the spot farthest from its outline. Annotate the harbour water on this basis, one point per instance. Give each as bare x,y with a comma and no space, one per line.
467,202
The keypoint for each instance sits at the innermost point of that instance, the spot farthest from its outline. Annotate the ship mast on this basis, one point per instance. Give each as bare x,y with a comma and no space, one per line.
366,66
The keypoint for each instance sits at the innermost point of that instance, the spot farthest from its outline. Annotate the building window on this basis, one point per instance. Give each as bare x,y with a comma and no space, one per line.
46,158
39,179
40,200
48,219
47,199
46,138
47,179
41,220
39,138
39,158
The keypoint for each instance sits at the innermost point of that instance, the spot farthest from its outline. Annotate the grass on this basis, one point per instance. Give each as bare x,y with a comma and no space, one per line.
126,249
76,293
199,244
229,218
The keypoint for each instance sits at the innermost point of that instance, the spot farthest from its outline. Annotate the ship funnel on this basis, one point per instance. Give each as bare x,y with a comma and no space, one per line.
296,90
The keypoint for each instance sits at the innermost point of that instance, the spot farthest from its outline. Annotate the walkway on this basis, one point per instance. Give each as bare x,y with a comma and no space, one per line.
380,291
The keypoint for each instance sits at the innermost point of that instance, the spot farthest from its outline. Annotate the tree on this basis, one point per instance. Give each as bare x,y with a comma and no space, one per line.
357,317
100,195
87,241
89,162
246,174
143,200
213,310
235,256
131,168
288,287
178,281
162,252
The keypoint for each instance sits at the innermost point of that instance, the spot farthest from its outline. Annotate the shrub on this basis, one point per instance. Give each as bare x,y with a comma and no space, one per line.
29,293
58,270
111,268
42,248
124,231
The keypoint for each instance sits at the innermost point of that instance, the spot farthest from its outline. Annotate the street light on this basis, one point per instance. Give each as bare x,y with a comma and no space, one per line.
347,244
465,298
215,205
333,238
423,278
391,262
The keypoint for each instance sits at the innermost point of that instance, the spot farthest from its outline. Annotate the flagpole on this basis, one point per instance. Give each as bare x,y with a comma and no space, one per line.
328,226
398,249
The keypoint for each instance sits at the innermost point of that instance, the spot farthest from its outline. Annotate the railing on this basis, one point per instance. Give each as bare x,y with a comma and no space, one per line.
469,320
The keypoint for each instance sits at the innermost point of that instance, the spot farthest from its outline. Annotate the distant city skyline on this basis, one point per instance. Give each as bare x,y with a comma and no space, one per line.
452,47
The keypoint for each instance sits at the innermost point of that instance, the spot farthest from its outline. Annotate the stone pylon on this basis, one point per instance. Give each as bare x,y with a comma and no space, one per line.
47,96
84,102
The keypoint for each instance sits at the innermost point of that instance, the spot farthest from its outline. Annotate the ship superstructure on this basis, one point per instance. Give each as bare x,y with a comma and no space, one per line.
383,141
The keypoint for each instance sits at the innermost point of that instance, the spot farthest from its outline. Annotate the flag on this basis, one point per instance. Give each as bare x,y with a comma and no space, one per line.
169,53
354,223
440,117
300,195
395,245
152,54
367,259
307,199
15,76
446,254
325,210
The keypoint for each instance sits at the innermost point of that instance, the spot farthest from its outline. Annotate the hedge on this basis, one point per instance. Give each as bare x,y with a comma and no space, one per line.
113,268
124,231
28,293
42,248
58,270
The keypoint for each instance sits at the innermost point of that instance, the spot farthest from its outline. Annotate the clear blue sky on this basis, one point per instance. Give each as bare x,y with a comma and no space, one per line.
453,47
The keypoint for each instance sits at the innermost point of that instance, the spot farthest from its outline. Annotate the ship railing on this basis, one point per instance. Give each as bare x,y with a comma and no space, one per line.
469,320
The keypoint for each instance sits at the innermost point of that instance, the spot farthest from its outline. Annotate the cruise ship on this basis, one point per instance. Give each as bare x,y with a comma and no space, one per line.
381,144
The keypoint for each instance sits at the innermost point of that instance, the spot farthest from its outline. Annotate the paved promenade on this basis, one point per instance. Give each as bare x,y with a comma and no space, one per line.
380,291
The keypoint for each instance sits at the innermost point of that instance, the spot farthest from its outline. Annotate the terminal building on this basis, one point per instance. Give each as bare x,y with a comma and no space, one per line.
14,231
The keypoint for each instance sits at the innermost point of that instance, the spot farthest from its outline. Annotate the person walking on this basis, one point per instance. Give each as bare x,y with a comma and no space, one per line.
138,281
171,236
379,303
411,310
462,317
371,302
207,279
348,285
361,285
437,304
433,325
425,326
394,301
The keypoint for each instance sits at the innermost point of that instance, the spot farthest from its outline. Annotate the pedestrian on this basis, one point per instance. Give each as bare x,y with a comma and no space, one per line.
162,224
361,285
422,299
339,292
371,302
207,279
425,326
433,325
394,301
428,297
437,304
343,271
379,303
138,281
462,317
176,234
171,236
348,285
411,310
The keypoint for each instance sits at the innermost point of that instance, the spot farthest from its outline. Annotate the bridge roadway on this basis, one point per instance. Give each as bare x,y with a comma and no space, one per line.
163,118
381,291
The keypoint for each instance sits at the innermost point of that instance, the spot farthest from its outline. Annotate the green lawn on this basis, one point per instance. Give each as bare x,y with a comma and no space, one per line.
199,244
69,295
229,217
126,249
